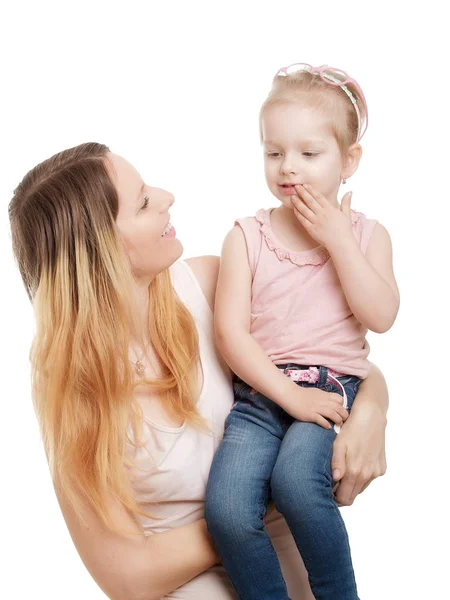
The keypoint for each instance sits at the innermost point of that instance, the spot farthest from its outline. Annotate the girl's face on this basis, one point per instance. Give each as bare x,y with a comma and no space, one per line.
143,221
299,147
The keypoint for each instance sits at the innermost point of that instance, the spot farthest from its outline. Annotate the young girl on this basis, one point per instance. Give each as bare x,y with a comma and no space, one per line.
291,319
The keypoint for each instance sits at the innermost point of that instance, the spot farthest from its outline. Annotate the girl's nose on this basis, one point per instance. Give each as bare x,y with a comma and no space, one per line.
288,167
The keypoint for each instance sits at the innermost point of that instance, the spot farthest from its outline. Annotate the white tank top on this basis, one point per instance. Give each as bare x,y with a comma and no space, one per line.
175,462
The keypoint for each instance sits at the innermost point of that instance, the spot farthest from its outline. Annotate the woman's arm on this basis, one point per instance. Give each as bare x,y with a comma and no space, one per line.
359,449
134,567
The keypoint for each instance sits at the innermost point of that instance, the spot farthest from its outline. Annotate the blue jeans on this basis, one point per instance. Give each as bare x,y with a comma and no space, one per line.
266,453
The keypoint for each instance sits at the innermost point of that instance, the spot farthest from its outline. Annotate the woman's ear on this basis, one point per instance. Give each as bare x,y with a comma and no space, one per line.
352,161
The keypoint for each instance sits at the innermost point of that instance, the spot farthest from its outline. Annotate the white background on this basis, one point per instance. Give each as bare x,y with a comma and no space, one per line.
176,89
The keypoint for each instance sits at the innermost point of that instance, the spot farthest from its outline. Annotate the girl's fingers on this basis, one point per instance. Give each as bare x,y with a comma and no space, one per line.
307,198
338,407
303,208
310,192
332,414
302,214
343,412
335,397
322,422
345,203
337,418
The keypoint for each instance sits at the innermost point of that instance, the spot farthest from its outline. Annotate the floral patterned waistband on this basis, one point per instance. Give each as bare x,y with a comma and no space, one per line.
310,375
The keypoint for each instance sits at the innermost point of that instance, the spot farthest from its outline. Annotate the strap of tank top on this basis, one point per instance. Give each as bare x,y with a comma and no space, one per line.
189,291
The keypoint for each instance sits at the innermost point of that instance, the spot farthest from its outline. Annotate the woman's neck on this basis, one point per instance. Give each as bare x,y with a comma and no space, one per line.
139,336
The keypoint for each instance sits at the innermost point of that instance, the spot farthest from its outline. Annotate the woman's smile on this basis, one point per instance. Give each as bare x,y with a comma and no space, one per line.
169,231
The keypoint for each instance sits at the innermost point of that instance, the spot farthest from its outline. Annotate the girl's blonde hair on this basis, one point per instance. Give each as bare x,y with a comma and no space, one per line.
79,279
312,91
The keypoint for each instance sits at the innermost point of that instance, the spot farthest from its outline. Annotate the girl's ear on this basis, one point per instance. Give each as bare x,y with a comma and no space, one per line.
352,161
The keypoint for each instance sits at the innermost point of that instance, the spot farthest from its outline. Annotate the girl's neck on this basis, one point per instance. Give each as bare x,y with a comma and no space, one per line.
289,231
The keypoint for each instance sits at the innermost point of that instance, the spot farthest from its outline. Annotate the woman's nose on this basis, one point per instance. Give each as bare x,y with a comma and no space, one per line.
166,200
170,200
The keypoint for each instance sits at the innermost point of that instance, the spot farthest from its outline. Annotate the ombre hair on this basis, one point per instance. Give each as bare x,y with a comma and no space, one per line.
311,91
80,282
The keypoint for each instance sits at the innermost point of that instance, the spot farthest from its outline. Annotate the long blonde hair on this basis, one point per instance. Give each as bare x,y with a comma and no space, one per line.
311,90
79,279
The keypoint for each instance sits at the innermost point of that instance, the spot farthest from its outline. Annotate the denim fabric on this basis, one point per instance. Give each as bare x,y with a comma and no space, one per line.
266,453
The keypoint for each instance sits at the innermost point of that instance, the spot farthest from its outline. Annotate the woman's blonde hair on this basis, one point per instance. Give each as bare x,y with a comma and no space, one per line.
312,91
79,279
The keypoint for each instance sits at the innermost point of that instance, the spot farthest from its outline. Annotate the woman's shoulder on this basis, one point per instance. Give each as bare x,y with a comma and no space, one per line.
206,270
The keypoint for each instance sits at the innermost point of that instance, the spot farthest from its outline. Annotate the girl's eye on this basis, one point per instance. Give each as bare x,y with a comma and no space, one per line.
273,154
146,200
310,154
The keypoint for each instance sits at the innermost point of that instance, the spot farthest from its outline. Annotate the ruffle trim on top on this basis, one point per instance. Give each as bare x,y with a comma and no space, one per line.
315,256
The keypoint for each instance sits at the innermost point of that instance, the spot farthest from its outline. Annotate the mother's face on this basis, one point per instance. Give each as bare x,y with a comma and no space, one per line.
143,220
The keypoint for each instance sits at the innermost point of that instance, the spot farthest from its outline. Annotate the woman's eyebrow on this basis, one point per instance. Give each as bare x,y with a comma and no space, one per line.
140,191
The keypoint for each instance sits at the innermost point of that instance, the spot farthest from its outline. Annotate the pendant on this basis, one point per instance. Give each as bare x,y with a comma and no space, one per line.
140,369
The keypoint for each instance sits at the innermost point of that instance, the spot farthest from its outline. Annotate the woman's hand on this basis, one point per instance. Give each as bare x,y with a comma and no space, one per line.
359,451
324,222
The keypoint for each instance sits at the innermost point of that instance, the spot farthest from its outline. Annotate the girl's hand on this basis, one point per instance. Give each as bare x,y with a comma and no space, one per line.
324,222
316,406
358,453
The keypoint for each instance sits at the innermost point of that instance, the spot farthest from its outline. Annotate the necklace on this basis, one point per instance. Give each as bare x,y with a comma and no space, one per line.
138,364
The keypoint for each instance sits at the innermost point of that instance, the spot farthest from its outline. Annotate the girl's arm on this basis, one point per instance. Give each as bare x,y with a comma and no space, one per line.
232,311
368,280
133,567
359,449
242,352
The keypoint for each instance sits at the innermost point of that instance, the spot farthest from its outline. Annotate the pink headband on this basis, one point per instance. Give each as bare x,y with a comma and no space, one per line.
335,77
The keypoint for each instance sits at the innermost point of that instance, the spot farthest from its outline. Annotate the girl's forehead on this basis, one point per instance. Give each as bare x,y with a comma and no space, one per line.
299,122
296,112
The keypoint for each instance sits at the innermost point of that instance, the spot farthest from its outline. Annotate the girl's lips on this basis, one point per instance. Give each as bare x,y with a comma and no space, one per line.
287,190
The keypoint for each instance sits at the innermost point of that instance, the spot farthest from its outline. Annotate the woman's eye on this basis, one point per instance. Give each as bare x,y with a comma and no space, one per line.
146,200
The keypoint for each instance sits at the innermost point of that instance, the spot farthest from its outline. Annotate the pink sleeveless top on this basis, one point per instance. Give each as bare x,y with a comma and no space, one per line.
299,312
173,464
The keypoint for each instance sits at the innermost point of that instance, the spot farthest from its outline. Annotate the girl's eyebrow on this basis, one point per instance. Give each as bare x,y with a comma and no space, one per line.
304,142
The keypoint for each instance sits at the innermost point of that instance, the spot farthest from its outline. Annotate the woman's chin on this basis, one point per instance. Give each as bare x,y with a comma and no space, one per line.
180,249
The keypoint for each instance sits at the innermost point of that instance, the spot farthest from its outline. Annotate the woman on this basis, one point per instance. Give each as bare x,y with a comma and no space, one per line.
129,391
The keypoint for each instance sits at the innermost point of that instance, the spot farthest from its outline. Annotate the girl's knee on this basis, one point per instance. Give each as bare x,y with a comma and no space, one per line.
231,520
298,489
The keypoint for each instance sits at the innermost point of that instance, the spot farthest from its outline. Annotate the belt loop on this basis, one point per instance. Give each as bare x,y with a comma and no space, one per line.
323,376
